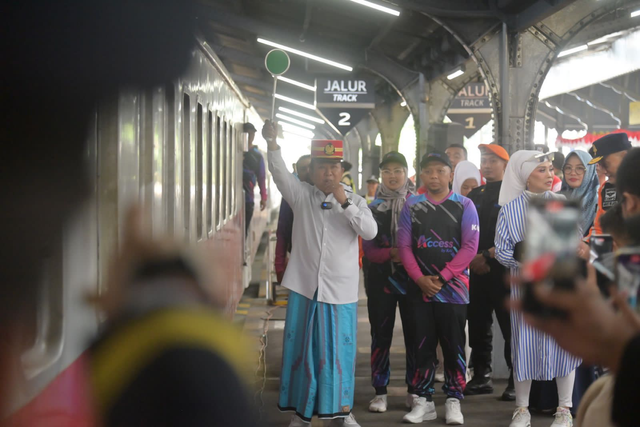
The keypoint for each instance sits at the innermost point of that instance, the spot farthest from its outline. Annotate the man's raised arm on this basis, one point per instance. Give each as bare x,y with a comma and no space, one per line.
287,184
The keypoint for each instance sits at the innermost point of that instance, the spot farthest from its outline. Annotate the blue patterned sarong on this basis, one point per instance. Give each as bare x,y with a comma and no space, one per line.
318,358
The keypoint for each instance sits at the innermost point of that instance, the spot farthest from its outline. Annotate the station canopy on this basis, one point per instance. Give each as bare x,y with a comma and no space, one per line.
390,43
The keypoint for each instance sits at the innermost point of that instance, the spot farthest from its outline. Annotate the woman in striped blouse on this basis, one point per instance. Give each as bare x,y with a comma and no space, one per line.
536,356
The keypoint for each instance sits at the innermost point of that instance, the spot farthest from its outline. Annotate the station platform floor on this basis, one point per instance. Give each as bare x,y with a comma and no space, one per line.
256,316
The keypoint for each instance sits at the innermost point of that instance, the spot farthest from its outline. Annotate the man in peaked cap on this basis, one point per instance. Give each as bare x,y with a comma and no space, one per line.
607,153
322,276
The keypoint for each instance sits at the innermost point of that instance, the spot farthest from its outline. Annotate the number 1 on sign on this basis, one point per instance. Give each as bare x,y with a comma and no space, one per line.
344,119
470,124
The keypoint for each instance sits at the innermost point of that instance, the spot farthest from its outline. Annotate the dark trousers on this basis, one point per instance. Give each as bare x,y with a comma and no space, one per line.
381,304
248,214
487,293
444,323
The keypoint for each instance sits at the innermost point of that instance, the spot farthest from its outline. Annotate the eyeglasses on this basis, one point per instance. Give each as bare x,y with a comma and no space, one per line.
580,170
389,172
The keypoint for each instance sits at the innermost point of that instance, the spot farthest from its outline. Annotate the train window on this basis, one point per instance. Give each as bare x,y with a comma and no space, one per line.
225,170
209,204
146,150
218,171
186,164
232,171
169,160
199,176
236,161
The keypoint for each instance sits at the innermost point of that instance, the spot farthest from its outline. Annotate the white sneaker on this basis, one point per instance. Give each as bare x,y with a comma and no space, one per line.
454,414
346,421
296,421
563,418
421,410
521,418
378,404
439,377
409,400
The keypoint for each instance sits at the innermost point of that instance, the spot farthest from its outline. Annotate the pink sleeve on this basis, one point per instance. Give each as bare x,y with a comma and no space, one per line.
469,245
375,253
404,245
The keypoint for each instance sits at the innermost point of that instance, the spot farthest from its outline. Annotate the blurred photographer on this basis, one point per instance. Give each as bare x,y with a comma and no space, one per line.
599,331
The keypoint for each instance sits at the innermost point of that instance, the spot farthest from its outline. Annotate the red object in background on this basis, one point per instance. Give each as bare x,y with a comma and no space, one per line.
538,269
64,402
591,137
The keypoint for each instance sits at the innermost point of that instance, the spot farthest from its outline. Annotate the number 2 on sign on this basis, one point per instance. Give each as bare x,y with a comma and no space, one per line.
344,119
470,124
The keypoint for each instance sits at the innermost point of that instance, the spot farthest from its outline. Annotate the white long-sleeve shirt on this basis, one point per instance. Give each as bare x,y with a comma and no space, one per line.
325,241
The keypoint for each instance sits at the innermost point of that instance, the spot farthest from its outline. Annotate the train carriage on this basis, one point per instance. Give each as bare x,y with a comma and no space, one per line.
177,150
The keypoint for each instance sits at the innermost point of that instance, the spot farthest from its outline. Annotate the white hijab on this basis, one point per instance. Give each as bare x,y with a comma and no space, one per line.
464,171
519,168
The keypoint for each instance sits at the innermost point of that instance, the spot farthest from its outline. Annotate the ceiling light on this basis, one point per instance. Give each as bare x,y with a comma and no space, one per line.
295,137
295,101
304,116
297,83
296,130
573,50
378,7
604,39
457,73
305,54
296,121
635,13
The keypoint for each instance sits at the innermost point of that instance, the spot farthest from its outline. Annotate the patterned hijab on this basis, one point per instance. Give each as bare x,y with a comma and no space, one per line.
393,200
588,190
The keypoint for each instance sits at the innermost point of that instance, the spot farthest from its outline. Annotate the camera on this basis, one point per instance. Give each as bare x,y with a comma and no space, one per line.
550,251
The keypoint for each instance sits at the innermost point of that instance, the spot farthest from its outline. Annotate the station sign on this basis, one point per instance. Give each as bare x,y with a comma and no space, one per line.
344,101
471,108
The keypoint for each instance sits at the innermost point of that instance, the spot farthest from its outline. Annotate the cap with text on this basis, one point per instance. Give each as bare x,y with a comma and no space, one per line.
609,144
496,149
327,149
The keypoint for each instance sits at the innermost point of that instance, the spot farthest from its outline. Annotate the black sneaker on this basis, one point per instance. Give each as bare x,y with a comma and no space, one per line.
479,385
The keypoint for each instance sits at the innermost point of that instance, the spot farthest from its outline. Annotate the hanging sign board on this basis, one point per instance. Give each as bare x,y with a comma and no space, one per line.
343,102
471,108
343,119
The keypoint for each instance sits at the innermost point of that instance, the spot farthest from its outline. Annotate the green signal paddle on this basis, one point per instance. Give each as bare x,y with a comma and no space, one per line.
277,63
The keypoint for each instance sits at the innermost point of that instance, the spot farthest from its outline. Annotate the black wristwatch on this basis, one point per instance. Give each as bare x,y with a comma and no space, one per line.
346,204
486,254
441,278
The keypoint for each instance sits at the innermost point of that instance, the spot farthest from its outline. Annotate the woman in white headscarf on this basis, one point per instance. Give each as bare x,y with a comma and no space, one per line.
465,178
536,356
386,278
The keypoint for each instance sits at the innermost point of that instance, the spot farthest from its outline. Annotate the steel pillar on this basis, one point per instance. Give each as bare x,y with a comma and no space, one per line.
390,119
515,63
352,148
367,130
429,102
